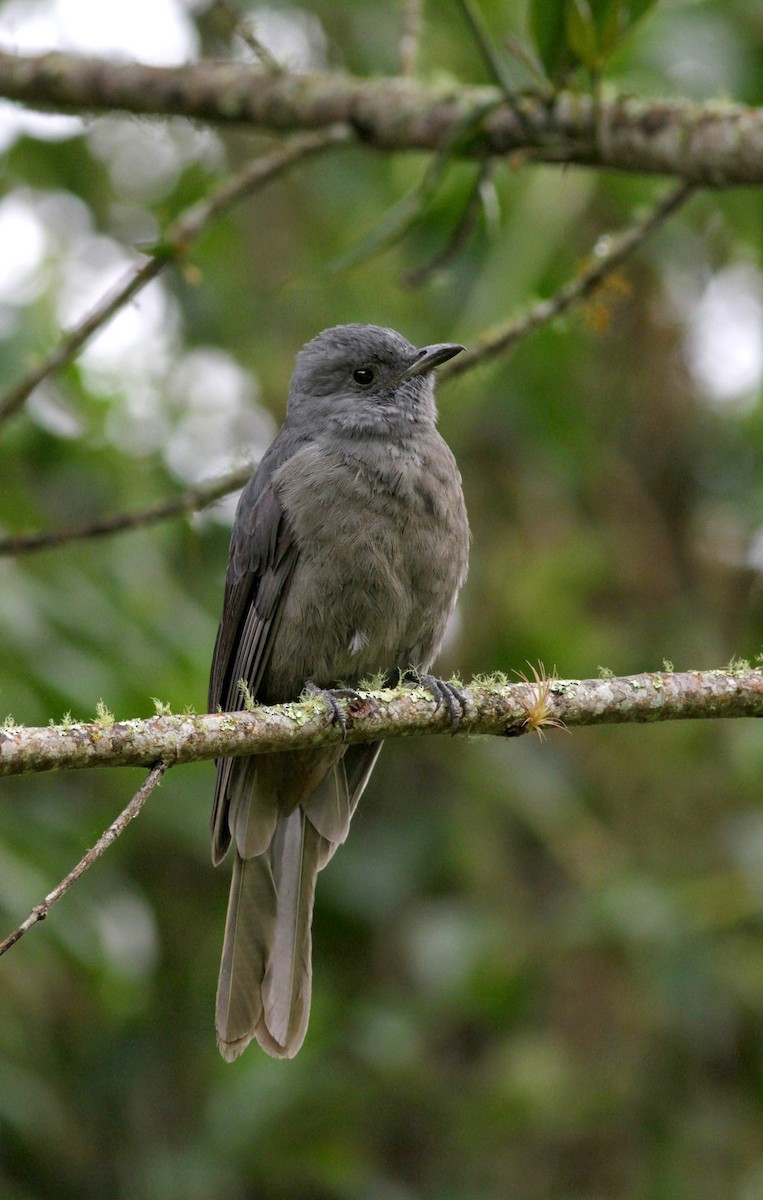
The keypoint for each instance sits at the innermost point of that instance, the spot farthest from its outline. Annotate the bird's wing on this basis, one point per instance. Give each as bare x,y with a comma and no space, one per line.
263,555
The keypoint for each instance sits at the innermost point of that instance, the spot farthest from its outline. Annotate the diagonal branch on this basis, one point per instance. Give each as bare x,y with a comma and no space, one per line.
720,144
177,242
615,249
191,500
107,838
73,341
496,708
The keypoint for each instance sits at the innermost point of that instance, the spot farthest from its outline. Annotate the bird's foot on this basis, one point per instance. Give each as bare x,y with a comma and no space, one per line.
331,698
442,692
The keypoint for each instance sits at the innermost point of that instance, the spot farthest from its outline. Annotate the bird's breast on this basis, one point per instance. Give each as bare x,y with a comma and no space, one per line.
382,545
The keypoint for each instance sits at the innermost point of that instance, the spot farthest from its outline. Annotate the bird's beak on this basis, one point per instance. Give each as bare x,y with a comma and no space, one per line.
430,357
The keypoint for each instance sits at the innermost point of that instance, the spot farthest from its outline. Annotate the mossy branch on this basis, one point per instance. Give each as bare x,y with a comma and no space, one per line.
493,707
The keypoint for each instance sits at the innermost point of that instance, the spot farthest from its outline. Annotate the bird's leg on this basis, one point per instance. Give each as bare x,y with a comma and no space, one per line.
331,698
442,693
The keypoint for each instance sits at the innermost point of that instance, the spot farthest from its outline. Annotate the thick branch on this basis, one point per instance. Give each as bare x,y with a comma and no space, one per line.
504,710
712,143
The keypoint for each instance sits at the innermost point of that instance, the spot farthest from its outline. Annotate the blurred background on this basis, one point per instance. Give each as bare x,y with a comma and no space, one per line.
538,966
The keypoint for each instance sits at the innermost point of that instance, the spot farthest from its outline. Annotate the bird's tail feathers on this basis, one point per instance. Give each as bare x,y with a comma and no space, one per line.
298,852
266,973
249,935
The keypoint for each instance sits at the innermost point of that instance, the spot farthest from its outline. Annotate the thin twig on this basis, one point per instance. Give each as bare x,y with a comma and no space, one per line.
107,838
191,500
238,24
618,247
174,246
72,341
411,25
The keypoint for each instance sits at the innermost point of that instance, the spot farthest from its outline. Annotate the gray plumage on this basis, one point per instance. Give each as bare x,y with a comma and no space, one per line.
348,551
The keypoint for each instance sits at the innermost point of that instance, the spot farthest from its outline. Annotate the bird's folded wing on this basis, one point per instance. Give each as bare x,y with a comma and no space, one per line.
262,560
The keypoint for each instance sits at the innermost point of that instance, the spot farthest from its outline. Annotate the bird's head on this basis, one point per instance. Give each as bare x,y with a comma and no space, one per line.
363,379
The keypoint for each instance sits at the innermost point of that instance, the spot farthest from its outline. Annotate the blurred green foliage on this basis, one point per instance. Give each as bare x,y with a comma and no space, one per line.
538,967
586,32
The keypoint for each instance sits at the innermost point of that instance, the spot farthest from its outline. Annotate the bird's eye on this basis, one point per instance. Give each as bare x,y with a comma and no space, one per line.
364,376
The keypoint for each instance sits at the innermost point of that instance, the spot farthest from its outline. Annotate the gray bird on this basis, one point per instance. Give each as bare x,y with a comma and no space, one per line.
348,551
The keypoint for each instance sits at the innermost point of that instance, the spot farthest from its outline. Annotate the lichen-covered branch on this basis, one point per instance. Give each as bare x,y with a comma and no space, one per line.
492,708
714,143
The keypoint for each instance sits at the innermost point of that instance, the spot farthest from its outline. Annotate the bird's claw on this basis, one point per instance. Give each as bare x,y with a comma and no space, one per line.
331,698
442,693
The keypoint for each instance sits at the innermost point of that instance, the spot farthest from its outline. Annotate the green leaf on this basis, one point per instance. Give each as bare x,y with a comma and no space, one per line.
637,9
582,34
612,24
567,32
600,10
615,19
548,31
